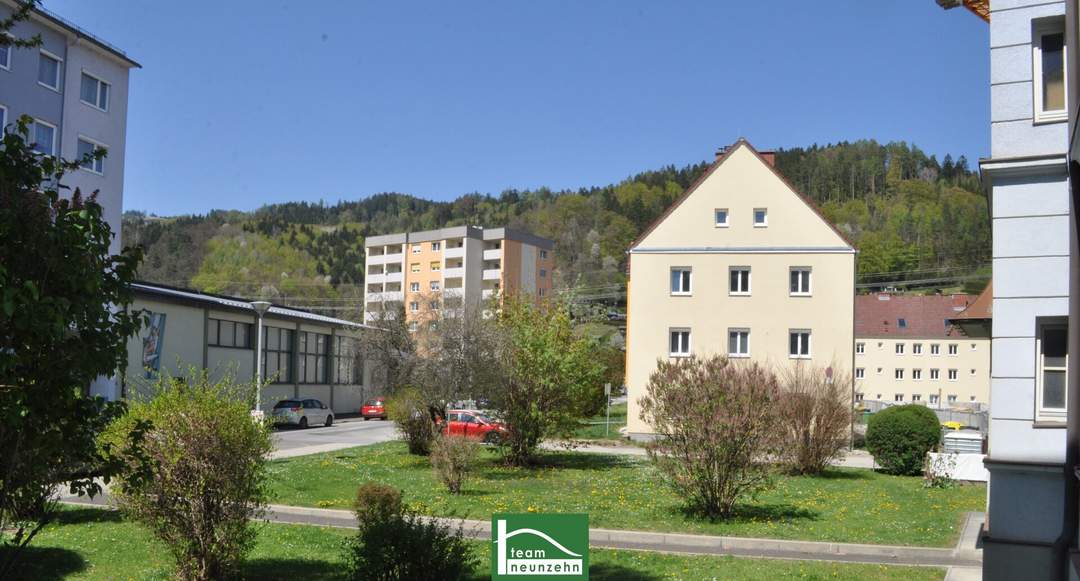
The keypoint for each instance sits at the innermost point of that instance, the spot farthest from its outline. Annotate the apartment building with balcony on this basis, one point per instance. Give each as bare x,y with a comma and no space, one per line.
909,349
425,272
75,88
740,265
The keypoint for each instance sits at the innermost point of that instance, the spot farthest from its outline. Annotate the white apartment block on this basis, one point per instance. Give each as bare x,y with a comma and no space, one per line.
740,265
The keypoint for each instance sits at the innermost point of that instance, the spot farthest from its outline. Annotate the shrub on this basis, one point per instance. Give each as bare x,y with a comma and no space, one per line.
453,457
394,543
937,472
899,437
815,418
715,426
410,412
197,476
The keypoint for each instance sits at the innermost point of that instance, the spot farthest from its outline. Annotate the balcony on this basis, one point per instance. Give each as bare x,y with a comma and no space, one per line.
397,277
453,293
458,272
376,278
385,258
493,254
458,252
492,274
385,296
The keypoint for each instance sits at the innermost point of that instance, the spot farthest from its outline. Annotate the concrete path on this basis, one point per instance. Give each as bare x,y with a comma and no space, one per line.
961,559
345,433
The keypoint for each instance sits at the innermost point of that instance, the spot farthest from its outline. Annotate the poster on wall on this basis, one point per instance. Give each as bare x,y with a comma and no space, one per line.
155,336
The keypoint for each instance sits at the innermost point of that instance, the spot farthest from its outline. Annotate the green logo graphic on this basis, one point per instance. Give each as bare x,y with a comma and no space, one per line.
539,546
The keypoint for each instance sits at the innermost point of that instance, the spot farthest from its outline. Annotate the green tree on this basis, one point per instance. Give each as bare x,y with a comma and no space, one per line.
64,321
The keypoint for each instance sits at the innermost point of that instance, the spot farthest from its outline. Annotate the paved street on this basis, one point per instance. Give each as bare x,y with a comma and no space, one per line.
345,433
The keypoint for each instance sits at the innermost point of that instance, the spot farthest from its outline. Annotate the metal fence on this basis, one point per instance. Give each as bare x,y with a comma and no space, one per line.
975,418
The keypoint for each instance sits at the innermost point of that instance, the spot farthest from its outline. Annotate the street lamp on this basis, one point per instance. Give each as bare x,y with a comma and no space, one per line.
260,309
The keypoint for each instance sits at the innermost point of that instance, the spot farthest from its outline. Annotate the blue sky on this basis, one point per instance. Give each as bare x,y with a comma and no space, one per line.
245,103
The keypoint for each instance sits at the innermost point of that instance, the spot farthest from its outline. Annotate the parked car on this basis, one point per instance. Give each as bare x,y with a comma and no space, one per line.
474,425
374,408
302,413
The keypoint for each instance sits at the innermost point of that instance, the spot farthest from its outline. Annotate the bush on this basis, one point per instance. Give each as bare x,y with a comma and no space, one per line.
899,437
394,543
815,417
410,412
715,423
453,457
197,476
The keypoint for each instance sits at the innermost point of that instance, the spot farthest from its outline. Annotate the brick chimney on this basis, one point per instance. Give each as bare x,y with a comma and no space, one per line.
769,157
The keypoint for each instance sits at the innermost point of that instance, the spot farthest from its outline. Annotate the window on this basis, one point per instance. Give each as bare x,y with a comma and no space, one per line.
543,255
414,287
541,292
953,374
898,374
898,397
799,344
935,349
916,375
740,280
435,285
49,70
414,267
879,370
3,119
413,326
85,149
347,370
973,372
228,334
974,347
738,342
680,342
277,354
860,348
543,273
680,280
899,348
44,137
720,216
952,398
414,307
434,305
1048,61
436,246
761,217
94,92
5,58
916,397
800,281
1051,344
312,360
436,266
952,348
935,373
934,398
901,323
416,249
916,348
860,373
859,397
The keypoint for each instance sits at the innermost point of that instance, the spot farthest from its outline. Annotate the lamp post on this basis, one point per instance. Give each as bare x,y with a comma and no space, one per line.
260,309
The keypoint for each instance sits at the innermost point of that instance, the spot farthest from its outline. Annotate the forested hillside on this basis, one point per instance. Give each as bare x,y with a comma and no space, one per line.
912,217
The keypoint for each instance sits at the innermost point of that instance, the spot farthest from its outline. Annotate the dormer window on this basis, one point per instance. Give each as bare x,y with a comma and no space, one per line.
721,218
761,217
1048,60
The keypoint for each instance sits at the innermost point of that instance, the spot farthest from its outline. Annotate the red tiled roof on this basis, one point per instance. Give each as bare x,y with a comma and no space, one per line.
887,315
982,308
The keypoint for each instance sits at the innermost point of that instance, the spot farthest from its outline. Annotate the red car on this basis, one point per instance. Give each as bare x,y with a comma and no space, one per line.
374,408
473,425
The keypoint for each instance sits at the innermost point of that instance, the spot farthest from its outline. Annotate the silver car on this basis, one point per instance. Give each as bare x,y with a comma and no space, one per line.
303,413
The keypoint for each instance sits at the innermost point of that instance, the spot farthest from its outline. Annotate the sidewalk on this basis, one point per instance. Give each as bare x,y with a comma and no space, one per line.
962,559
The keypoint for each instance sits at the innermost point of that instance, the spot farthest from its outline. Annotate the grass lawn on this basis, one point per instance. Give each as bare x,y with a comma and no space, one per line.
622,492
593,428
96,544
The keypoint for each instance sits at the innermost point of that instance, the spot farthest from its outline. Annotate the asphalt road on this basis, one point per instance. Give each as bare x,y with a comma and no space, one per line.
345,433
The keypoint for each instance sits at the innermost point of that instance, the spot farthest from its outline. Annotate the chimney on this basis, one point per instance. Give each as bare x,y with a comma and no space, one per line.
769,157
720,152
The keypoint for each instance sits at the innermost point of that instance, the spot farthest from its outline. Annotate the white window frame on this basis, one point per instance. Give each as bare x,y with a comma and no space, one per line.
727,218
916,397
742,342
935,374
935,349
541,292
1041,29
764,223
749,281
59,69
952,398
436,246
809,344
414,287
413,326
6,65
898,348
934,398
974,347
916,348
860,372
33,135
953,375
898,374
689,281
97,145
954,349
101,81
416,248
414,307
916,374
898,397
688,346
805,276
435,285
860,348
3,119
543,254
1044,413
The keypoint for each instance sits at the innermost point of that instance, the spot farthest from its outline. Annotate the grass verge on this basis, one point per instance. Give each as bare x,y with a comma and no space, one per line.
594,428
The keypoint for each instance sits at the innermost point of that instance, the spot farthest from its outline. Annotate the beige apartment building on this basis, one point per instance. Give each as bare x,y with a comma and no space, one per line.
909,349
425,272
741,265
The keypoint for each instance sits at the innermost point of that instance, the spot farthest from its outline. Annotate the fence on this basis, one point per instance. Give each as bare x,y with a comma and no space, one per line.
978,419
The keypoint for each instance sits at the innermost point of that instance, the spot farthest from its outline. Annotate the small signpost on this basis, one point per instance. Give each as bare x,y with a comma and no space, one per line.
607,422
